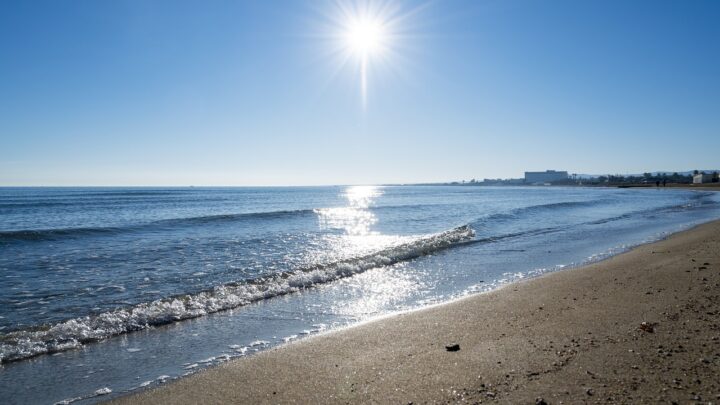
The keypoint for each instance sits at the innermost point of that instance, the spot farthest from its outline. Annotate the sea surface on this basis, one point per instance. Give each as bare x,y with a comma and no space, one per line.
108,290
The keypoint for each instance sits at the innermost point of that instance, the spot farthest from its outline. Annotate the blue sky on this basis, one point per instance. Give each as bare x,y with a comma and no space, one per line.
253,93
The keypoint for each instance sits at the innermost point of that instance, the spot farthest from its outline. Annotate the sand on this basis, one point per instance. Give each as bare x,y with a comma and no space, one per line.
575,336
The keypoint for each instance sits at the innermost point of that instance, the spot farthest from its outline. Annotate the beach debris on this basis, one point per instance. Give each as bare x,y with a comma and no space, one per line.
540,401
452,348
648,327
590,391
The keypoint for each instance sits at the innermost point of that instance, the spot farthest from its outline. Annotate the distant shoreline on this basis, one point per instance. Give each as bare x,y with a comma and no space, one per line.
703,186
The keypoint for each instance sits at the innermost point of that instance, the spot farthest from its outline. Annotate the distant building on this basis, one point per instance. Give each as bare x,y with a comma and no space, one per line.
702,178
548,176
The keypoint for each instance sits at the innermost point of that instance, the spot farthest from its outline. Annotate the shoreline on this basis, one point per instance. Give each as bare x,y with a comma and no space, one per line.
571,336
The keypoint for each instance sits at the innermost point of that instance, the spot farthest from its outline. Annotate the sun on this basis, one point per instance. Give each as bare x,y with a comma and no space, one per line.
369,37
365,36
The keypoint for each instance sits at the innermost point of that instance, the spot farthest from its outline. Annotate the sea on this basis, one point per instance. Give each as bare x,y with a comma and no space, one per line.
106,291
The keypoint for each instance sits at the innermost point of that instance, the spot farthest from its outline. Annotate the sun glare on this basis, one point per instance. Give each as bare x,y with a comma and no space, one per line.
365,37
368,37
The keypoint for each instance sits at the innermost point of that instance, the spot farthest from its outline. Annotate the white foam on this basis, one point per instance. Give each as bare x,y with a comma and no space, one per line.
75,332
68,401
103,391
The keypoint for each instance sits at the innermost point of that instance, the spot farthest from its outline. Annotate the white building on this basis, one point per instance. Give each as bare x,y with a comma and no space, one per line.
702,178
548,176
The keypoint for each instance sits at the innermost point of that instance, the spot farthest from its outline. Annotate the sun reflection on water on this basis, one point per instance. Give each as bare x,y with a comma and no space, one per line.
350,232
350,236
355,219
374,292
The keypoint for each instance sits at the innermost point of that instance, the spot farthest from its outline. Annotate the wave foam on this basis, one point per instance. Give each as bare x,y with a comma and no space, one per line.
74,333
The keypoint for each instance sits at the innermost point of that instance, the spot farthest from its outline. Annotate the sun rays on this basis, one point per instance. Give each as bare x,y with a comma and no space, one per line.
366,38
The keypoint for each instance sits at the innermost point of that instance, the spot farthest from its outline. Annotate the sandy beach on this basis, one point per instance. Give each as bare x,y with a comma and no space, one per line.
359,202
641,327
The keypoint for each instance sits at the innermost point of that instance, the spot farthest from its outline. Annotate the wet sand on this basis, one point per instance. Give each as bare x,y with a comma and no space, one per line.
641,327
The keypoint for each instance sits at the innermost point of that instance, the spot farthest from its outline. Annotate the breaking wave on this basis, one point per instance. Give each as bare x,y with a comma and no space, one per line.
73,333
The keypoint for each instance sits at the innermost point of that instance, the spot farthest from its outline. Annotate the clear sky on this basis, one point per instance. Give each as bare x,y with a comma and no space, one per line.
256,93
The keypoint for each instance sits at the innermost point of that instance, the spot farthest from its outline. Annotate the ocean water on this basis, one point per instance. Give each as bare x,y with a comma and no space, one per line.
107,290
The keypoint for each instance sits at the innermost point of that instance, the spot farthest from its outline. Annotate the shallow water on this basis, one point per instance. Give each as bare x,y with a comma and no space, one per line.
121,288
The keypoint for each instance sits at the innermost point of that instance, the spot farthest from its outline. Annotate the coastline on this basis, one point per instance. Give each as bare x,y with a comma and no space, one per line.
698,187
570,336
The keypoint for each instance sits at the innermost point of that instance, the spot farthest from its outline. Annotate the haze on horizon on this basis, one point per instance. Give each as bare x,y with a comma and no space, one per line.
352,92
